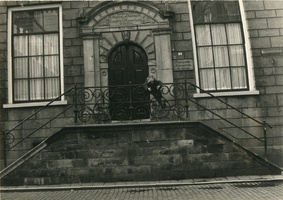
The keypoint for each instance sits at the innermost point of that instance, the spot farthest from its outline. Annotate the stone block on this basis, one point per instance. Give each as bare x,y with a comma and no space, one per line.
70,14
268,32
260,42
153,160
273,5
21,114
176,36
212,103
277,41
67,24
72,51
250,14
3,18
75,4
181,7
66,4
237,156
265,13
187,36
181,27
72,70
267,100
275,22
265,80
255,112
253,33
279,13
185,17
253,5
258,24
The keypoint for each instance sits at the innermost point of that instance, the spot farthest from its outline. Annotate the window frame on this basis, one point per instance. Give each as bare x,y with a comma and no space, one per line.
11,103
248,54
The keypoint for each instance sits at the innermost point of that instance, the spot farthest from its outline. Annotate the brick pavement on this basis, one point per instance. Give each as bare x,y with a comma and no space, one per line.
234,188
235,191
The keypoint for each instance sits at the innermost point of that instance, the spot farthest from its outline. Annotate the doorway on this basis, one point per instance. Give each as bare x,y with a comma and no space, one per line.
128,69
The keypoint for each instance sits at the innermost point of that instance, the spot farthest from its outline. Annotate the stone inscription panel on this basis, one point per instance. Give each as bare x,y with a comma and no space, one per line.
126,19
186,64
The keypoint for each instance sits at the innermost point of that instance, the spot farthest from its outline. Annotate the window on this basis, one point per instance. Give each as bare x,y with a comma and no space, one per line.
35,53
220,50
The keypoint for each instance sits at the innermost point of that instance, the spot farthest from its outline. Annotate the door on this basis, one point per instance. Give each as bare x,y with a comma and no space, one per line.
127,69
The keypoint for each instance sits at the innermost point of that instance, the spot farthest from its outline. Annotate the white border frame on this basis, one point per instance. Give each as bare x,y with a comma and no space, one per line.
251,79
9,59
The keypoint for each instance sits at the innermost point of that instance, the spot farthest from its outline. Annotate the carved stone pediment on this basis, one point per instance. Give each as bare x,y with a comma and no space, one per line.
138,15
126,19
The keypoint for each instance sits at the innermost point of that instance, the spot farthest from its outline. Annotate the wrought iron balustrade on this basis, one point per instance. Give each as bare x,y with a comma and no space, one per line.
130,102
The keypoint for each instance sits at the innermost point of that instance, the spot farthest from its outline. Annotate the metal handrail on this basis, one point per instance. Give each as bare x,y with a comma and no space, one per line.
8,133
262,123
82,105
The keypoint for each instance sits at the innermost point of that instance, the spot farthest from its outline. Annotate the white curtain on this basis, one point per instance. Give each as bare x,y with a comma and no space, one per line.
21,68
36,72
221,57
51,66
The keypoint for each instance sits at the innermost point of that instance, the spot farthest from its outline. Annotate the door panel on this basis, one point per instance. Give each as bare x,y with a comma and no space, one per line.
128,65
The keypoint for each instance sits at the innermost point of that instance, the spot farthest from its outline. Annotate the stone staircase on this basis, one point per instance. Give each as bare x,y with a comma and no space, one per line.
144,151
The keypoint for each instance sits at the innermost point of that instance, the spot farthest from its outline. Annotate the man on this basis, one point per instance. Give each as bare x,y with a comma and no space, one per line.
154,87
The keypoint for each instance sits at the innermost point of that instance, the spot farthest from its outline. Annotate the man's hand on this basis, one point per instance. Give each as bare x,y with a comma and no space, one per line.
158,87
149,89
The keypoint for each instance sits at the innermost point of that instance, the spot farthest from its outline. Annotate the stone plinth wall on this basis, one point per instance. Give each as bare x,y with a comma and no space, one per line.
136,152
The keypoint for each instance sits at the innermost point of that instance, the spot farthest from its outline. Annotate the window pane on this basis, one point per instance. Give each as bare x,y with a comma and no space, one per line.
215,11
218,34
20,68
35,45
51,66
203,35
51,44
223,80
52,89
239,78
21,90
36,67
20,46
221,58
234,34
51,20
36,89
207,79
237,57
28,21
205,57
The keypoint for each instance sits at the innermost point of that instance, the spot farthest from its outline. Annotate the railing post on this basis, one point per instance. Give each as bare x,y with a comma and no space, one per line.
4,148
76,106
265,138
131,101
186,99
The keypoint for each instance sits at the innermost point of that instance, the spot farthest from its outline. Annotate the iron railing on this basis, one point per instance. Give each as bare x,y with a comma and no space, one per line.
131,102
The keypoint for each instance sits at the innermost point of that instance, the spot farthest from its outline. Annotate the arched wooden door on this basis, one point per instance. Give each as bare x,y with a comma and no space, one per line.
127,69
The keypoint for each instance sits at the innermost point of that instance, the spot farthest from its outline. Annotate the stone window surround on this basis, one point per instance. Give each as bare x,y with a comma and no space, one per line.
251,77
9,59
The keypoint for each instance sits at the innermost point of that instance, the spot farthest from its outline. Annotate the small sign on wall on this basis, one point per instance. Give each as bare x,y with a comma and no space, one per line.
186,64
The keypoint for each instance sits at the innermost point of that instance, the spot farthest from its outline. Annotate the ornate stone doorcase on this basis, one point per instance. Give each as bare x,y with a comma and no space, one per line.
112,23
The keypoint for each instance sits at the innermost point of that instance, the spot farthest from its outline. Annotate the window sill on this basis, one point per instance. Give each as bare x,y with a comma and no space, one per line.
34,104
225,94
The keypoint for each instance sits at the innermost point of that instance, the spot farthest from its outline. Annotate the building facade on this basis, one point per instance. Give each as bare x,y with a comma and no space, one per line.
230,49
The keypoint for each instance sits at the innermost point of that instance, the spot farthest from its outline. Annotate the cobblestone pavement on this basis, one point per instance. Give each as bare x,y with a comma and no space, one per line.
272,190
